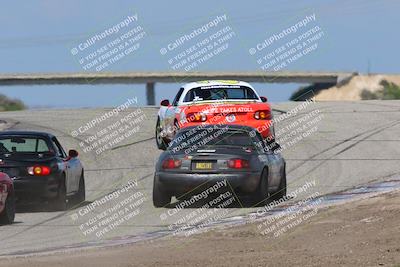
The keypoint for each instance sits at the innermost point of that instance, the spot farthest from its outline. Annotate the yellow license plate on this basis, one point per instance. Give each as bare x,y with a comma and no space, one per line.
204,165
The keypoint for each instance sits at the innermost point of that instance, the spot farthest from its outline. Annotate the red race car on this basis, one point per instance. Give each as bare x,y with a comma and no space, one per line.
213,102
7,199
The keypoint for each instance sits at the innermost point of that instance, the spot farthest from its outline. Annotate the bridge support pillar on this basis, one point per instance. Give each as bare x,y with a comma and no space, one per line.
150,94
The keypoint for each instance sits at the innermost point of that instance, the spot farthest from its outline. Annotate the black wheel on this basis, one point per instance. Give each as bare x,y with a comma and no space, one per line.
160,197
61,200
161,144
81,194
8,214
281,192
261,194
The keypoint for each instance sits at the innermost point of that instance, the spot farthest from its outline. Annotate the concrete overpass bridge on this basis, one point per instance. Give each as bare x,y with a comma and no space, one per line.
151,78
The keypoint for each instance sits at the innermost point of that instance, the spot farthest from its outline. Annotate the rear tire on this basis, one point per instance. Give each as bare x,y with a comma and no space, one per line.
61,200
8,214
81,194
160,197
161,144
261,195
281,192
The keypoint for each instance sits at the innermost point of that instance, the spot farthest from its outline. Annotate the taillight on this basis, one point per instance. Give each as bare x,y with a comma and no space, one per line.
39,170
171,163
196,117
262,115
238,163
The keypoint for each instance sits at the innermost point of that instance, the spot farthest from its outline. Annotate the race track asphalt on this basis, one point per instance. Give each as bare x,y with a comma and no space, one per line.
354,143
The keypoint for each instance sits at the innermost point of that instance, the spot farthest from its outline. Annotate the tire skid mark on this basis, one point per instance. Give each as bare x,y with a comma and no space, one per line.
372,103
350,139
133,143
376,131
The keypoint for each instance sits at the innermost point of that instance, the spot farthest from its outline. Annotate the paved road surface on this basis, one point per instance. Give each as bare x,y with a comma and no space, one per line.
355,142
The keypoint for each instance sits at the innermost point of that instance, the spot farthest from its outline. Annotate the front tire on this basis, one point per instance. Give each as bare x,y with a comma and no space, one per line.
160,197
161,144
8,214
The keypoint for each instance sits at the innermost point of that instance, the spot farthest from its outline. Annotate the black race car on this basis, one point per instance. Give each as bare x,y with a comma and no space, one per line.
213,153
40,168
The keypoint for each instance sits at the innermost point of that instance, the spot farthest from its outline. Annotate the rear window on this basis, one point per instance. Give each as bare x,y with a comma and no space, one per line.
220,93
211,137
17,144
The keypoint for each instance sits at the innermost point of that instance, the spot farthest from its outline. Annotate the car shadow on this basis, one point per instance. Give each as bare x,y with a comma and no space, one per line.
45,207
216,201
15,222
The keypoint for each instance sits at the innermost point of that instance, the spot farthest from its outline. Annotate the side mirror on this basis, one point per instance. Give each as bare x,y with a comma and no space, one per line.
165,103
263,99
73,153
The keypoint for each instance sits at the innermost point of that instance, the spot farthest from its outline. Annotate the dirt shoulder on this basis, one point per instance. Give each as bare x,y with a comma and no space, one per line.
352,90
361,233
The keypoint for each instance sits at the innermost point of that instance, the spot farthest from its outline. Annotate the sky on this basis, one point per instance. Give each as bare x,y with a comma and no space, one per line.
38,37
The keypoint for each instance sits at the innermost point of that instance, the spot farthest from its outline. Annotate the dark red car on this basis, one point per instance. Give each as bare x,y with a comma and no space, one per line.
7,199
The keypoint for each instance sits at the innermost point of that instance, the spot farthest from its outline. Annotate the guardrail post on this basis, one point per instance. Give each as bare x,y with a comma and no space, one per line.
150,94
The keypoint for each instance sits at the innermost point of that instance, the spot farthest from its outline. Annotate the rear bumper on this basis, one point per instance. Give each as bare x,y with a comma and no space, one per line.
180,183
29,189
